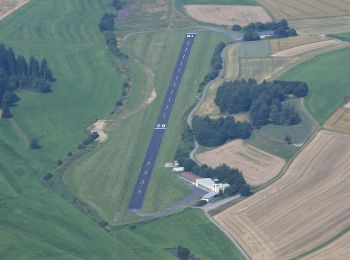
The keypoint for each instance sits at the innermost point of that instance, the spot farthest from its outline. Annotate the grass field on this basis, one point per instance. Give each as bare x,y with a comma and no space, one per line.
327,77
40,222
106,176
190,229
256,49
306,207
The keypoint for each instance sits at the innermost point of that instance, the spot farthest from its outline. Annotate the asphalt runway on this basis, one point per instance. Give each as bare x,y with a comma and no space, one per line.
161,124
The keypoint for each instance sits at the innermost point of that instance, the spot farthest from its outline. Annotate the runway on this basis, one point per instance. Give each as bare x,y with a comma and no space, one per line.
161,124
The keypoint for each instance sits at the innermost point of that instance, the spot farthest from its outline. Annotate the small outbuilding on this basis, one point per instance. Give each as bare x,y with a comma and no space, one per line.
209,196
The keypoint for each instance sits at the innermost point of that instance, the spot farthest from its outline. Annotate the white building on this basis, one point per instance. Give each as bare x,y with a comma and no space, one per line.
209,185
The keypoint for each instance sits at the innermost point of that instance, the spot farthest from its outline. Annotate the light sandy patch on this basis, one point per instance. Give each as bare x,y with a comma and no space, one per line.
228,14
152,97
257,166
347,105
307,206
278,45
339,121
291,52
7,7
100,126
339,249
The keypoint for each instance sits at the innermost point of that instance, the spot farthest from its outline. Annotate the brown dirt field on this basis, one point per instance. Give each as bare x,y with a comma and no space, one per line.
227,14
231,72
257,166
308,205
339,249
292,52
299,9
339,121
100,126
7,7
278,45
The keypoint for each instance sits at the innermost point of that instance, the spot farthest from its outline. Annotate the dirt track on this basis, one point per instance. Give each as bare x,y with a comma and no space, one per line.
307,206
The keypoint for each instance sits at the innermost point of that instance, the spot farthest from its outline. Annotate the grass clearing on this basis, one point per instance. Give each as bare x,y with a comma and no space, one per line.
105,177
255,49
307,206
328,81
189,228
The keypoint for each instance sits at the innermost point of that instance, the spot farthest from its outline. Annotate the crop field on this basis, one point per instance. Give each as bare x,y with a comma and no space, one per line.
278,45
227,14
307,206
255,49
338,249
339,121
295,51
216,2
300,9
328,81
189,228
257,166
105,177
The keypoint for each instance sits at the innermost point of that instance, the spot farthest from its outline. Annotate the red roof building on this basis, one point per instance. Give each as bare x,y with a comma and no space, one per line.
190,177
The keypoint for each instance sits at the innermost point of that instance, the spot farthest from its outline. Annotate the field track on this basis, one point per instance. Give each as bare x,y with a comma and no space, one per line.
306,207
7,7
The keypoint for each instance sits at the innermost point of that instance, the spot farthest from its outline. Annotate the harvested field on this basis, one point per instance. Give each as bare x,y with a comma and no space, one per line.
339,249
278,45
228,14
257,166
292,52
300,9
9,6
306,207
339,121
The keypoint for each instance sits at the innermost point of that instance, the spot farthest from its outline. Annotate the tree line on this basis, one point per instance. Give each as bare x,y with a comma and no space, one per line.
16,72
214,132
280,29
215,65
264,102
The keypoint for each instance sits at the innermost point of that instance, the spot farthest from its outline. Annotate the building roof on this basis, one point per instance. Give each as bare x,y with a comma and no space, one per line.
209,195
206,182
189,176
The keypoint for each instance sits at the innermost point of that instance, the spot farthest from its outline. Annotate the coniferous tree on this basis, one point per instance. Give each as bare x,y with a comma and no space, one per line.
34,68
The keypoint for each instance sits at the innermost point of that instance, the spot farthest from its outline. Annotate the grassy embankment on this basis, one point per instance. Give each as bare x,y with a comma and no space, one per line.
35,223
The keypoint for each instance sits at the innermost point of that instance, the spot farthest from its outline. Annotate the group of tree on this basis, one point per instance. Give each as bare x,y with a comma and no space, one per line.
118,4
214,132
264,102
18,73
215,64
279,29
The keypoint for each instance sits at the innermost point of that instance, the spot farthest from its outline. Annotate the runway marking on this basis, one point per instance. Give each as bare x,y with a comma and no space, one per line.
145,173
176,78
142,182
174,84
164,115
179,70
169,99
149,163
186,49
167,107
183,56
181,63
139,192
159,128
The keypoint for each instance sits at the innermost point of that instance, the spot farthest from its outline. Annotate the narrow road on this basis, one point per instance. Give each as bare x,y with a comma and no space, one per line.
161,124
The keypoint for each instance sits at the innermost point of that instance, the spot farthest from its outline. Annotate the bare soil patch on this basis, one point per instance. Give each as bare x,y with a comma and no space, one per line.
7,7
306,207
292,52
278,45
257,166
339,121
227,14
339,249
100,126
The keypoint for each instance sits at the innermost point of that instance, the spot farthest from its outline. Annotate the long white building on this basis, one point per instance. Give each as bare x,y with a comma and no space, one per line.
209,185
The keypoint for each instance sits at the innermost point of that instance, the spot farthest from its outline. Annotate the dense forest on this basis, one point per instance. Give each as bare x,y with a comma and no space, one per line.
280,29
263,102
18,73
215,132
